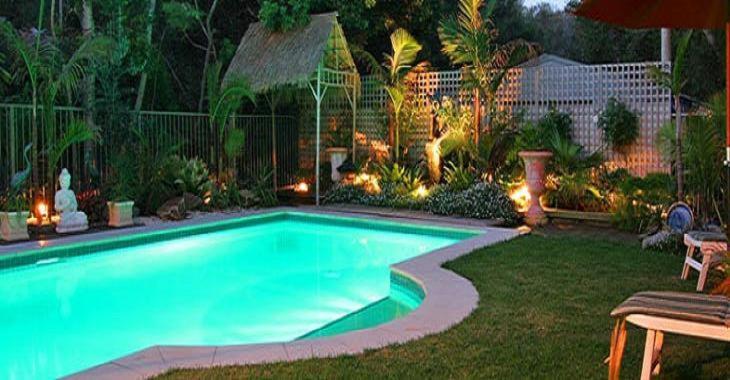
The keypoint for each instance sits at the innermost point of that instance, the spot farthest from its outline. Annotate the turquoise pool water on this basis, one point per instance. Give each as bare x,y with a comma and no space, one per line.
277,279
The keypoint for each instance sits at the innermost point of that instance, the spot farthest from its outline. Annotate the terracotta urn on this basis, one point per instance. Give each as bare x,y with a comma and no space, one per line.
535,162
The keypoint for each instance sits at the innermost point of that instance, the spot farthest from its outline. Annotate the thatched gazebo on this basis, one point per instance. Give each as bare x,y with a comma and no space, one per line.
315,56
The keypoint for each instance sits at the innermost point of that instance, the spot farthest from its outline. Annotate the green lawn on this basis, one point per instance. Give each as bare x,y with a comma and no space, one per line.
543,313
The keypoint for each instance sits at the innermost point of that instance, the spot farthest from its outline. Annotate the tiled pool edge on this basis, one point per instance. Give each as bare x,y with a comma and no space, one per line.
449,299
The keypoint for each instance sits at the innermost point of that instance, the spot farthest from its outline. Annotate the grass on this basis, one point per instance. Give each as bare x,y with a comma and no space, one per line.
543,313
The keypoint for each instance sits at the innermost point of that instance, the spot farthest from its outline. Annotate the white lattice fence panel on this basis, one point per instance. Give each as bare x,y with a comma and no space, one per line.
582,91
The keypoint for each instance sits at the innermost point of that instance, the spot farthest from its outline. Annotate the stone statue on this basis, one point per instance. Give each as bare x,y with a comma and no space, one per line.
65,204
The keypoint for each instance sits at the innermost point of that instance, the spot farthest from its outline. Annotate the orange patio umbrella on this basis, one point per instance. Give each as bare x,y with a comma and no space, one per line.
678,14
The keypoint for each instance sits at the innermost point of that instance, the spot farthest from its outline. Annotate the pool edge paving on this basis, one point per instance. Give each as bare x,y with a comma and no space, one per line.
449,298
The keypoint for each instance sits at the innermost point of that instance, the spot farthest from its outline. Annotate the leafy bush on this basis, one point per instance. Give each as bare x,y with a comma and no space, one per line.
284,15
481,200
641,201
619,124
556,122
189,176
458,177
402,179
263,189
575,191
531,138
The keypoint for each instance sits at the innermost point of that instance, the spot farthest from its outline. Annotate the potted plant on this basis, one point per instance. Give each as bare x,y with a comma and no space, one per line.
534,153
14,217
338,140
121,212
121,201
15,207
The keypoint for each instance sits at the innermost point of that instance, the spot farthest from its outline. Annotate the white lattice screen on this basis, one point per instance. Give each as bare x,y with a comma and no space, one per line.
582,91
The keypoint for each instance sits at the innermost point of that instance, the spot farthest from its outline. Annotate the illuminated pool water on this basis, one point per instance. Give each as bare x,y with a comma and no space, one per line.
275,278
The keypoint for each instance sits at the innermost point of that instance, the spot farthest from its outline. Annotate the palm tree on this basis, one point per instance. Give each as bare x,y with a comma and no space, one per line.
392,75
470,39
675,82
223,101
50,74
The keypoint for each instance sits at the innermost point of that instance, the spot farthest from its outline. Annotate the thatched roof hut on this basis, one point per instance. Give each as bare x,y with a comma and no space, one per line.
315,56
272,59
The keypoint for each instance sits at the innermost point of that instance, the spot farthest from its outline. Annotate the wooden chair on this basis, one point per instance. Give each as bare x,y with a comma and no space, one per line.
712,248
698,315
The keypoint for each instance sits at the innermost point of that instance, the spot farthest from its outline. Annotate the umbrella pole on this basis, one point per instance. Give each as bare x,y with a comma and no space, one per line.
727,126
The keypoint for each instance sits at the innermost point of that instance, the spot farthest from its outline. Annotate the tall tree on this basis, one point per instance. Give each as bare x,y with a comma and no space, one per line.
675,82
184,17
472,40
392,75
151,7
89,88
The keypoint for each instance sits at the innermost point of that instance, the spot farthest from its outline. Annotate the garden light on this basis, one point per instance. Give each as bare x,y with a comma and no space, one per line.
420,192
301,187
521,197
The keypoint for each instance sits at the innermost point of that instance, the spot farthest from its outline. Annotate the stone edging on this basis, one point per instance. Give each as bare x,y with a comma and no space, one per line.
449,299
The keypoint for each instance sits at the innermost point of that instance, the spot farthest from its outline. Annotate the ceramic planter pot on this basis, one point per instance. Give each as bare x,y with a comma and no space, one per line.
14,225
535,162
120,213
336,157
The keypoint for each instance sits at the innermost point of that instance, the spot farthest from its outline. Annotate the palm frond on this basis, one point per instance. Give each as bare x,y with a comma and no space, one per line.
77,132
679,62
75,68
405,50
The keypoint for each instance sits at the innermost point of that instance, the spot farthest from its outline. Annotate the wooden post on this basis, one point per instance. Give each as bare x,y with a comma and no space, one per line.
727,121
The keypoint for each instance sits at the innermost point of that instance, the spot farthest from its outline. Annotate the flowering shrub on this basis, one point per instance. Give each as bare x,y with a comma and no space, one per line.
481,201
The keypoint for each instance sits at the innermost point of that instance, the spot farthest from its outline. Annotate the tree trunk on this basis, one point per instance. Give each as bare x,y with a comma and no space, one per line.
89,98
477,115
678,153
208,31
148,39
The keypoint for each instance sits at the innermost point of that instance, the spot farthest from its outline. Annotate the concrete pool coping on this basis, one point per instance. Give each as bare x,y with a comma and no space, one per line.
449,298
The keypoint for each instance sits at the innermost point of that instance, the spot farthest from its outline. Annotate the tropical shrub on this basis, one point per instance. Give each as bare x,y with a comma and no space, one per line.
619,124
263,189
482,200
458,177
641,201
531,138
575,191
284,15
558,122
189,176
403,180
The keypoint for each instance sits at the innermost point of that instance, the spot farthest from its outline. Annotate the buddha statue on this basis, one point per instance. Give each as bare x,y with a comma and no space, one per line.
65,204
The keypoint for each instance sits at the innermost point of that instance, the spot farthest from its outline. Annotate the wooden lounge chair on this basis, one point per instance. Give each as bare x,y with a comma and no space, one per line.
712,248
698,315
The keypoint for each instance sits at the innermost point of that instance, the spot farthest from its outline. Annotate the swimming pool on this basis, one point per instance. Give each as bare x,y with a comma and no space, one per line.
274,277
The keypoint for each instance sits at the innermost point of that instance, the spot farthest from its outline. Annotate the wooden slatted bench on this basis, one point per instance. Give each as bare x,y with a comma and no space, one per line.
697,315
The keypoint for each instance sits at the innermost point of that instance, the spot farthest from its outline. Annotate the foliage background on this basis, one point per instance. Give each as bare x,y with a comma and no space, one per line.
174,63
